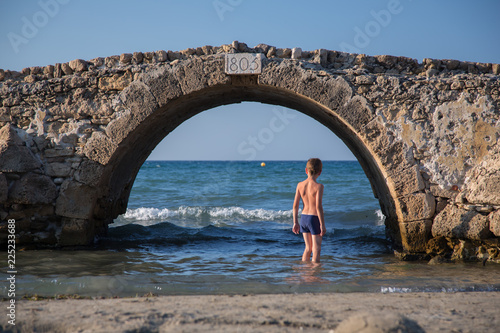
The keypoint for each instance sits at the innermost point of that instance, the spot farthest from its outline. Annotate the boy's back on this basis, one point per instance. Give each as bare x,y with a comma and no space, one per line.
309,191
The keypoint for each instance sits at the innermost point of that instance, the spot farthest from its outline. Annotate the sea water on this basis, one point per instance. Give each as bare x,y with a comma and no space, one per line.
203,227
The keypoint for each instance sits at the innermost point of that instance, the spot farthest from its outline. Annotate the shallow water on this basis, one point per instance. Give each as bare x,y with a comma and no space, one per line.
225,228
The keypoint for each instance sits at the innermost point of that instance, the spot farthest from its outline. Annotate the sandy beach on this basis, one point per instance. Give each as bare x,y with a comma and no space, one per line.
433,312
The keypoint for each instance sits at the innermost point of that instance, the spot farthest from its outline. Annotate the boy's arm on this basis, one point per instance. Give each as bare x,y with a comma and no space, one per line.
319,209
296,203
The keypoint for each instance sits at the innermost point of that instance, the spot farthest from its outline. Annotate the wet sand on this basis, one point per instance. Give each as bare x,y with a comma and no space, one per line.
434,312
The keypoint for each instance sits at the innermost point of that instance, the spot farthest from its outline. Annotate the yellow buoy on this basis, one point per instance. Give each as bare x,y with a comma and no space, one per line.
263,164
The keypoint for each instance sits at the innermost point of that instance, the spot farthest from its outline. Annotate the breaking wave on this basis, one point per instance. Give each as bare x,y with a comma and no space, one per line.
214,214
380,217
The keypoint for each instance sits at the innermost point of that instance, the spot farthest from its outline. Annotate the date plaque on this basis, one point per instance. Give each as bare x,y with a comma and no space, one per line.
243,63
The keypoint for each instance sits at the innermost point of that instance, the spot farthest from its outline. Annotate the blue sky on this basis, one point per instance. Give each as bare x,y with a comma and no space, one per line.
38,33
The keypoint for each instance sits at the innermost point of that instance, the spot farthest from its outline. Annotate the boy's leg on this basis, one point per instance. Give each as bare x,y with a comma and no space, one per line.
316,247
307,251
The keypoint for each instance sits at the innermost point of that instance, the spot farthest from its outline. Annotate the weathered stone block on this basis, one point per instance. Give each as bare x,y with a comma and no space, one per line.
395,156
111,61
116,82
99,148
58,70
197,74
76,232
66,69
119,128
140,104
149,57
172,56
57,169
415,235
138,57
48,70
458,140
494,219
161,56
208,49
139,100
89,172
125,58
321,57
417,206
495,68
333,93
407,181
283,53
78,65
455,222
483,185
17,159
163,85
33,189
271,52
296,53
97,62
76,200
357,112
376,134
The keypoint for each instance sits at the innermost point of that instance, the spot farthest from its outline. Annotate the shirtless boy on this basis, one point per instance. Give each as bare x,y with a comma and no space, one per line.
312,220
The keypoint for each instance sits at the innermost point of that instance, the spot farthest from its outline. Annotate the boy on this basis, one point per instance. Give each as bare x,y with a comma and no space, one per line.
312,220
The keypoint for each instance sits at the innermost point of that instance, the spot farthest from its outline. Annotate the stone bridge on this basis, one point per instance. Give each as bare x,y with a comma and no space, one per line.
74,135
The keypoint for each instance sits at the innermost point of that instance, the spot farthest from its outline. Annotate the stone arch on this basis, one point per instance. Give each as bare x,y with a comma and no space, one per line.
73,135
160,101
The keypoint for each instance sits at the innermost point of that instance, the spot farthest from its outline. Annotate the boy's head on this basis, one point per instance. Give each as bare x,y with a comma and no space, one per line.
314,166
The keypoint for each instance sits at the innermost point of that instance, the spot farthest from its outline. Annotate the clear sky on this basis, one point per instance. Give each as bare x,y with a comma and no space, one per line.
38,33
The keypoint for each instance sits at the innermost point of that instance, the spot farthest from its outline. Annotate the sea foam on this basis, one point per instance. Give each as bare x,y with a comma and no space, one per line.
235,214
380,217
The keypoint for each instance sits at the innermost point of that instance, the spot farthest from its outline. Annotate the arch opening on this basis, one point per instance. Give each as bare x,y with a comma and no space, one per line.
137,146
250,131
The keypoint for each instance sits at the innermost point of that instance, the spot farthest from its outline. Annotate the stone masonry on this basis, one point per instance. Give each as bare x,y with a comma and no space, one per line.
73,136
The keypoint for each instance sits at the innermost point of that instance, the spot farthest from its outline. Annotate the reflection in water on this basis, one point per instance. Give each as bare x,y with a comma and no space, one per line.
307,272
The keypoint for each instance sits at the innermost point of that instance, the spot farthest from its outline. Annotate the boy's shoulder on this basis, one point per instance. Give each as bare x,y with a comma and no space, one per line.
302,184
309,181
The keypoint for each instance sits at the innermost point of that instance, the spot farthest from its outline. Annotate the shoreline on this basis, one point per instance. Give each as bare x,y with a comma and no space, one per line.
433,312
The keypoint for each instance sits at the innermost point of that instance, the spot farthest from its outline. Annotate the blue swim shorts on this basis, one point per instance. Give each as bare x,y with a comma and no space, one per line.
310,224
